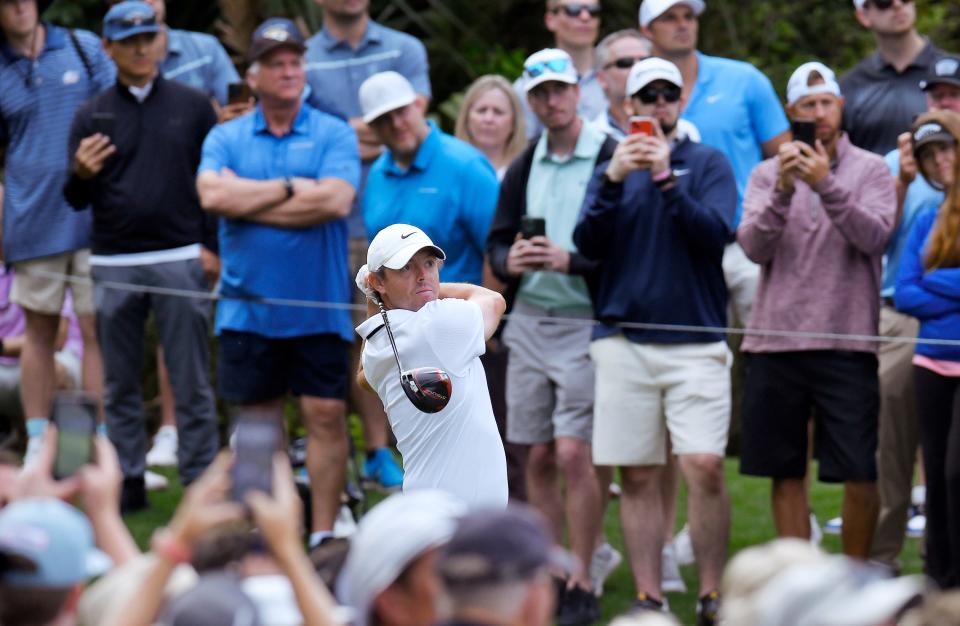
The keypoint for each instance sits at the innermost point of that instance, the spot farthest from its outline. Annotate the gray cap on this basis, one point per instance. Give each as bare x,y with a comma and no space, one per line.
216,600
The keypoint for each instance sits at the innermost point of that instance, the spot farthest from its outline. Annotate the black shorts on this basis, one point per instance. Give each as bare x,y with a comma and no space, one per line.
253,368
783,390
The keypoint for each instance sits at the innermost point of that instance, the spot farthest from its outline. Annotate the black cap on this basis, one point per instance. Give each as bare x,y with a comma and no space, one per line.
945,70
492,547
277,32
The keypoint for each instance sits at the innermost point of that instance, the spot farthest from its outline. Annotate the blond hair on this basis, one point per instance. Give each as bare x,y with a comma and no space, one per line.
517,139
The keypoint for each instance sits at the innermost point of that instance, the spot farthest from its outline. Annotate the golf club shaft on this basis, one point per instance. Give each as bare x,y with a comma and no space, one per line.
393,344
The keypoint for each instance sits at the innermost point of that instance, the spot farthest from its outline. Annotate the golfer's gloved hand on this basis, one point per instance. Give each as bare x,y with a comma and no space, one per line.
362,284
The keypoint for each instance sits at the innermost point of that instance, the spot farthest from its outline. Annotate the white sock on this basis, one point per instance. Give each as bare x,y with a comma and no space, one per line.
318,536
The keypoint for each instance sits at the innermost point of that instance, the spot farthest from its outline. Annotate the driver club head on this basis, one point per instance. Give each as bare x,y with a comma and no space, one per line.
428,388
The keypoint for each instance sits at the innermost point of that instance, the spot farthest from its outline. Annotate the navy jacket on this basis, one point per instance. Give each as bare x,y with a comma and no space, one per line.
661,253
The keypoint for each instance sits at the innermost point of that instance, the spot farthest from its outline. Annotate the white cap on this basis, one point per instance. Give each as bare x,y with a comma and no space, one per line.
652,9
650,69
858,4
395,245
384,92
389,538
548,64
797,86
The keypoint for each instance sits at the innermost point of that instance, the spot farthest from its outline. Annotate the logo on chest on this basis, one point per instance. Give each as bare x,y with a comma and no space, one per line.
71,77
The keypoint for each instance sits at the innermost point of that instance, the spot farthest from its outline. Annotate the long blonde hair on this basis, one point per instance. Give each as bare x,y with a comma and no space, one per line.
517,140
943,249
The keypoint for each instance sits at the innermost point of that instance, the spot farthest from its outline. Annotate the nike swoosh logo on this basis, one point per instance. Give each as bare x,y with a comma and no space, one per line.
714,98
681,172
407,235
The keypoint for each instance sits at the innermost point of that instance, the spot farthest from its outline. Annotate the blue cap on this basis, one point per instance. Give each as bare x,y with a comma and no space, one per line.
128,19
45,542
275,33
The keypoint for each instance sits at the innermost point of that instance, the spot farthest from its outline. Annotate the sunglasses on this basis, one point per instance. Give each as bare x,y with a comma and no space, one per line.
623,63
536,69
649,95
883,5
574,9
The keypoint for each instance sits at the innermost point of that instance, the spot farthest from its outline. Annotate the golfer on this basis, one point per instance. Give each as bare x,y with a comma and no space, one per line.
457,449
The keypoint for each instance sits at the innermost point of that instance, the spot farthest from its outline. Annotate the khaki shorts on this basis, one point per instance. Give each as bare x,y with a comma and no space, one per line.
45,294
645,391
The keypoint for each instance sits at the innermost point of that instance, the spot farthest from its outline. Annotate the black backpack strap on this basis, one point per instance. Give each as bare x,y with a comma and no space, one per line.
83,55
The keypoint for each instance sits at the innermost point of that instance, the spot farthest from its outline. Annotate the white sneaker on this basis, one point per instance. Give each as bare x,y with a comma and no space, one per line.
816,535
916,525
604,561
155,481
670,578
683,546
833,526
344,525
164,450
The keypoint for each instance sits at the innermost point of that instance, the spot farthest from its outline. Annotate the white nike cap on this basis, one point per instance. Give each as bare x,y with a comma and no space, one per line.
384,92
652,9
395,245
650,69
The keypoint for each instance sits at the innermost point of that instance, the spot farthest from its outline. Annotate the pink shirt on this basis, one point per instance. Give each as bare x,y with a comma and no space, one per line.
951,369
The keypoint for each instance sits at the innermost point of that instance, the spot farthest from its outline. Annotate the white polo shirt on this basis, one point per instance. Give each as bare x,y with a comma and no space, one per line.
458,449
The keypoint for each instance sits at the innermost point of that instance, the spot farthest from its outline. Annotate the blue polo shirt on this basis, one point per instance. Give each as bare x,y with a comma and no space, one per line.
736,110
37,102
199,61
449,191
335,72
296,263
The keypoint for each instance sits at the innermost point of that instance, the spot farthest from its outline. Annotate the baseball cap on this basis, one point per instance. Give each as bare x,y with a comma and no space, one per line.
945,70
650,69
927,131
277,32
496,546
798,87
216,600
396,244
45,542
652,9
546,65
858,4
384,92
128,19
389,538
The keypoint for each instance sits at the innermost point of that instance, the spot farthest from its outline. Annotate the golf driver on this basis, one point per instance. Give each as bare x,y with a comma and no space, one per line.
428,388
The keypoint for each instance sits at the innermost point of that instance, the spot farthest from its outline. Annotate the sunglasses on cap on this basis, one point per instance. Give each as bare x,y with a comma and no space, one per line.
883,5
574,9
623,63
649,95
555,65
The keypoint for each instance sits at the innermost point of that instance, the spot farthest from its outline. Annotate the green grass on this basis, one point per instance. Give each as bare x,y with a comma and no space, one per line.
752,524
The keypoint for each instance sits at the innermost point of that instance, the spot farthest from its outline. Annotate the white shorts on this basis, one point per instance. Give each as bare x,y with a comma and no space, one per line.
646,390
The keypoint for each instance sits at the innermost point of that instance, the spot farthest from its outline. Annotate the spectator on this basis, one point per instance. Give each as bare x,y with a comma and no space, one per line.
616,53
898,436
575,26
881,90
390,577
550,393
426,178
458,450
491,119
928,288
735,109
282,179
496,569
663,269
350,48
131,175
817,218
47,64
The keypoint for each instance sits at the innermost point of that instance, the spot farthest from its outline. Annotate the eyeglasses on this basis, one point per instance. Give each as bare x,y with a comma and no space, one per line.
623,63
883,5
554,65
649,95
574,9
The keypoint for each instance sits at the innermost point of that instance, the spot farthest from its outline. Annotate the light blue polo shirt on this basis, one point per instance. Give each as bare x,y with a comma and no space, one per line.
296,263
736,110
920,196
38,100
450,192
198,60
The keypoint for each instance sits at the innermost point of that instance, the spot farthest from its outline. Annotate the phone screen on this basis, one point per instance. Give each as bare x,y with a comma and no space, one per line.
805,132
533,227
104,123
75,415
257,439
238,92
641,125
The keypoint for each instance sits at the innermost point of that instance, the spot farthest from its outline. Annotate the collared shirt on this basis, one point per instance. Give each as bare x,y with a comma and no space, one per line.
449,191
198,60
736,110
593,101
555,191
295,263
880,103
38,99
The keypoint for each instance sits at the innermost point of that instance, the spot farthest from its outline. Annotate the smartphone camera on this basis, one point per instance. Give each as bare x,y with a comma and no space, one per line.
641,125
533,227
75,414
256,439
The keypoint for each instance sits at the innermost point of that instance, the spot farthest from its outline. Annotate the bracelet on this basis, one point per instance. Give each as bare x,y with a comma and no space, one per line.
164,544
665,174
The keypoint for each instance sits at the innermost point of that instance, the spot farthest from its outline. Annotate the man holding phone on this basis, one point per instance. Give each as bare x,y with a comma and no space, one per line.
817,218
656,218
550,389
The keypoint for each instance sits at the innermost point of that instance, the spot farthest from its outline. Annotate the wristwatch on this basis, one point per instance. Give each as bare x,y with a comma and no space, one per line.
288,186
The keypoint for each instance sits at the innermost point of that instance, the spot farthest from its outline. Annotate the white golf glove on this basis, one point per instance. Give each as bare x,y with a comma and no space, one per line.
362,284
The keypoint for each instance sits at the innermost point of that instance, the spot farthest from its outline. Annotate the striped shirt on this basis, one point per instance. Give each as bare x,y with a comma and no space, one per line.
198,60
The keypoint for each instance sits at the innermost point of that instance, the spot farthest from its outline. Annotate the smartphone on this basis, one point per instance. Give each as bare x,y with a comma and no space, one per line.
532,227
104,123
642,125
238,93
75,414
805,132
257,438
